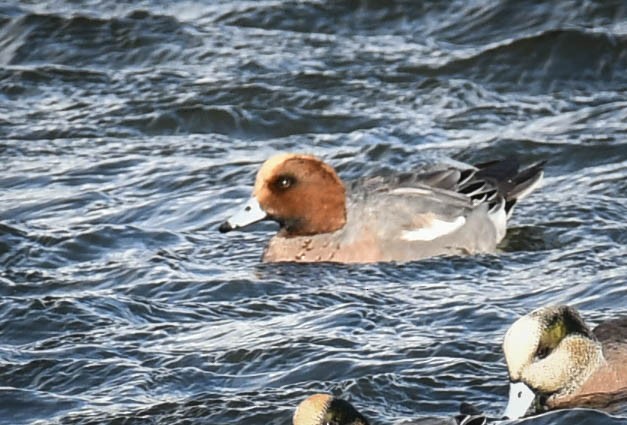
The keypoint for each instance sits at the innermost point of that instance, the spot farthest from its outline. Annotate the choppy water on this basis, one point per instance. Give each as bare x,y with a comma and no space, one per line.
129,130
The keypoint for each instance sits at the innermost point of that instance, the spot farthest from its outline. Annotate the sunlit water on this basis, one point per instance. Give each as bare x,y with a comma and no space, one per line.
130,130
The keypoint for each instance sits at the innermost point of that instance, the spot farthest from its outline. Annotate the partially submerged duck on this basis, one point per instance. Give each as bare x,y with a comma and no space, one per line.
443,211
324,409
556,361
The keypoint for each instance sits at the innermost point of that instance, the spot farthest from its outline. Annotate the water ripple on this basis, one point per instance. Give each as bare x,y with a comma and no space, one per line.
131,130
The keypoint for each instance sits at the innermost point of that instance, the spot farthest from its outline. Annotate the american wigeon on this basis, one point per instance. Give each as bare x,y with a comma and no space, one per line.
394,218
555,361
324,409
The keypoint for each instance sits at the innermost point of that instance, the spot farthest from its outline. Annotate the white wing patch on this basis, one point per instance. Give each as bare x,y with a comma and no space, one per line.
435,229
499,219
411,191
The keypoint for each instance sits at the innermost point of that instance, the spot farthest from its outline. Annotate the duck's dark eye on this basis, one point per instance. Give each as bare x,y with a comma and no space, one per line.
284,182
542,353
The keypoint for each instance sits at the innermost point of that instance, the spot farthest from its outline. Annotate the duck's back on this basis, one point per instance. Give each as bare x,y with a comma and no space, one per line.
612,335
607,387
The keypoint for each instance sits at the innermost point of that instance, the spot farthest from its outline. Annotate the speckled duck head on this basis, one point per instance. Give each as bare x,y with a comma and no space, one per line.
324,409
549,352
300,192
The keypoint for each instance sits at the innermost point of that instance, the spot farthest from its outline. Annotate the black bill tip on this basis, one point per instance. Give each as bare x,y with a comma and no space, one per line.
225,227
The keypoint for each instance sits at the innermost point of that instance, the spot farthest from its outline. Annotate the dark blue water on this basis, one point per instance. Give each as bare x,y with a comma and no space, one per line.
130,129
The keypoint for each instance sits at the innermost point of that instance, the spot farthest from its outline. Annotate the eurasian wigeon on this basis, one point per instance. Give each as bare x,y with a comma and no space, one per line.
324,409
394,218
555,361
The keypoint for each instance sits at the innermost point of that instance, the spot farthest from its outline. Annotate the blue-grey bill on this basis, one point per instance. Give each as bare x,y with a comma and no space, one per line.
521,399
251,213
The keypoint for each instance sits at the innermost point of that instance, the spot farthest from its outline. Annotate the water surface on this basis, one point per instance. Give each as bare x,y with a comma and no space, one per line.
130,130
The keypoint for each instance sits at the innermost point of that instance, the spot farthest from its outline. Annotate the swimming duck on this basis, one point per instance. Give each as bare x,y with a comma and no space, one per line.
405,217
556,361
324,409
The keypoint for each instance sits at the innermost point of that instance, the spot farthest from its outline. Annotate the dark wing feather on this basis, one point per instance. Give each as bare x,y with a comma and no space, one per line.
499,183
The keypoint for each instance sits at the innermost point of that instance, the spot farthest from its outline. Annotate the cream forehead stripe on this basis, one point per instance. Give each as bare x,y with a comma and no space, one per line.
267,168
520,344
270,168
271,164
